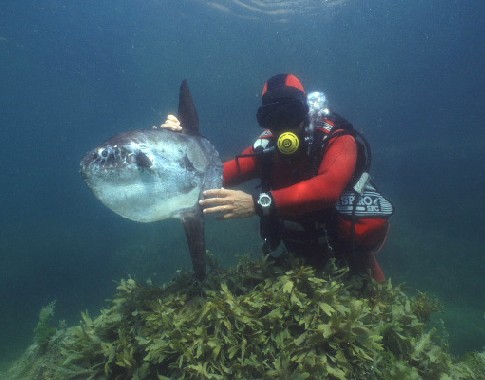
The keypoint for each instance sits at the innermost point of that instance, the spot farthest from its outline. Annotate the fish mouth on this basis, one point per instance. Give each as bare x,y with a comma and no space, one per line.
111,157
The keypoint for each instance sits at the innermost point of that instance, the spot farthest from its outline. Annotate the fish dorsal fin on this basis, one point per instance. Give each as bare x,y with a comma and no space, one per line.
187,113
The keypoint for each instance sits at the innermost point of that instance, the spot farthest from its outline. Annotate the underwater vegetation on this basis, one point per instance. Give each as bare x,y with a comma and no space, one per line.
44,329
257,320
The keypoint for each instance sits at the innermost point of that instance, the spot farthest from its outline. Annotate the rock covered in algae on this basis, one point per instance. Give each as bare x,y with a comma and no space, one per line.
255,321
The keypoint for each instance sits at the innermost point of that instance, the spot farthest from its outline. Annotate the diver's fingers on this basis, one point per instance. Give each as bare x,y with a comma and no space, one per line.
217,193
215,210
228,215
173,118
172,123
223,212
211,202
171,126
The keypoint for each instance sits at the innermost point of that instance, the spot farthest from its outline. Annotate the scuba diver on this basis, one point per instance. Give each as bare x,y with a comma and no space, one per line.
316,197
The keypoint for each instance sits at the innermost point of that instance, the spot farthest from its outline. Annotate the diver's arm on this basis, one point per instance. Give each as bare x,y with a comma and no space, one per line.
241,169
322,191
171,123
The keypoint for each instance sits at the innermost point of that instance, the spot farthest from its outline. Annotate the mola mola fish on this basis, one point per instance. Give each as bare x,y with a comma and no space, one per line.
153,174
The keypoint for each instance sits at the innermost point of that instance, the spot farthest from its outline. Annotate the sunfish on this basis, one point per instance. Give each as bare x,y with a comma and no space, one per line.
153,174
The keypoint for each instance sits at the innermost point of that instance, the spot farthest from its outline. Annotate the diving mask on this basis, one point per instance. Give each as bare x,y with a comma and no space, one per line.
283,112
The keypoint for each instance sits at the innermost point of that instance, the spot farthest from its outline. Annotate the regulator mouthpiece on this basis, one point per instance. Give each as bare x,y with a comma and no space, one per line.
288,143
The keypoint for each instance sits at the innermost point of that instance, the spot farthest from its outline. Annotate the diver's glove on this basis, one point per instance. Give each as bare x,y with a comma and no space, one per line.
171,123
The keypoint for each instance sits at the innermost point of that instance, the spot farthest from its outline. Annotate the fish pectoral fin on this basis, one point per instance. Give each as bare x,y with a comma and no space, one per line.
194,231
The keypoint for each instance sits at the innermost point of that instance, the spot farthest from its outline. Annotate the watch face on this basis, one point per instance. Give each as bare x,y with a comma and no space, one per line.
264,200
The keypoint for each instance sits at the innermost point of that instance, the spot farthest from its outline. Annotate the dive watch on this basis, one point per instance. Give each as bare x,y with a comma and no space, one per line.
265,201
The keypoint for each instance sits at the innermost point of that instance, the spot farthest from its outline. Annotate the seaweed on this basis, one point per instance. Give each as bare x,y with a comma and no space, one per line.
258,320
44,330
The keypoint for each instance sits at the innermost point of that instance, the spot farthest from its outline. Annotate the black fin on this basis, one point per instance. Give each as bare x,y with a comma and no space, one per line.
194,231
187,114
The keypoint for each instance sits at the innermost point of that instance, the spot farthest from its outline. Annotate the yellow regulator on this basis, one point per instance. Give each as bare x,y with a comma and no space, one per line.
288,143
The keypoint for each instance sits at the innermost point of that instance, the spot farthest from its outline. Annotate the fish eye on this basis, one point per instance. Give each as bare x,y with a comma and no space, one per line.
104,153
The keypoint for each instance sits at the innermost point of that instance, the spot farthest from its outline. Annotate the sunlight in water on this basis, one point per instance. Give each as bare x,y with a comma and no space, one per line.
277,9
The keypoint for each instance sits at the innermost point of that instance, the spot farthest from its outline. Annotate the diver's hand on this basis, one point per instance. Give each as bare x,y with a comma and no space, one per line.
171,123
228,203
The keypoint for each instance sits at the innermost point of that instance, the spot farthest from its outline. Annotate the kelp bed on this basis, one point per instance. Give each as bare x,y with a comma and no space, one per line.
258,320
